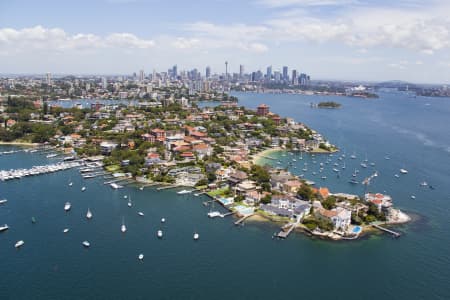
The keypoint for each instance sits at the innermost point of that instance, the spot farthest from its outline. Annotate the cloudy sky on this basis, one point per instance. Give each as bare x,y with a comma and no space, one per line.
328,39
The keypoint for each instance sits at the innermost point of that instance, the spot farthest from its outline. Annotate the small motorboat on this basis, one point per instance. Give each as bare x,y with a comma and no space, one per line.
3,201
413,197
141,213
86,244
67,206
196,236
83,188
141,256
163,220
70,183
19,244
159,234
4,227
66,230
141,188
403,171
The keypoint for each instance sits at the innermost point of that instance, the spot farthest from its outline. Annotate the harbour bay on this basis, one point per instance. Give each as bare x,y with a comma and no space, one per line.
240,262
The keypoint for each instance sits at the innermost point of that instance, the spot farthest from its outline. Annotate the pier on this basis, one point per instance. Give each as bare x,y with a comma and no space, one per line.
166,187
393,233
242,219
285,233
37,170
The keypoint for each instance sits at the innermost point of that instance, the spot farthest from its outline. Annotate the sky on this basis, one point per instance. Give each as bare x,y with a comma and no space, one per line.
365,40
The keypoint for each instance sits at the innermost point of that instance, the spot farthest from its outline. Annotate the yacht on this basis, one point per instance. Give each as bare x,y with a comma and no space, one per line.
403,171
184,192
86,244
67,206
3,201
52,155
413,197
115,186
213,214
4,227
353,156
89,214
141,213
19,244
123,228
423,183
335,170
343,167
196,236
83,188
353,181
129,202
159,233
363,165
66,230
141,256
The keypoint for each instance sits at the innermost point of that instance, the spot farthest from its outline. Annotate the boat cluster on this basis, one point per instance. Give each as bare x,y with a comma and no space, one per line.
36,170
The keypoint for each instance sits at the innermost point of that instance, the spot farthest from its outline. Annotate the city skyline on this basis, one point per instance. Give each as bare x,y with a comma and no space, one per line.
333,39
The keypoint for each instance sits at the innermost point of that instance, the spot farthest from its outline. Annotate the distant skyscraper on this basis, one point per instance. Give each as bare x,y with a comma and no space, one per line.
241,71
269,72
48,78
104,83
226,70
294,77
285,73
208,72
141,75
175,71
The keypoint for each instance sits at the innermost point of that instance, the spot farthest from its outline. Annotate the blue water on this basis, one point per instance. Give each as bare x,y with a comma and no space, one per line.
231,262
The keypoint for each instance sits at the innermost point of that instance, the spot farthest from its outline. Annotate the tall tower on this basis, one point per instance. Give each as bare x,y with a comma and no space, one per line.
226,70
208,72
49,78
241,71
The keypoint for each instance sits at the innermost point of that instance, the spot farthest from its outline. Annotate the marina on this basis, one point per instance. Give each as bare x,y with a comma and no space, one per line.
36,170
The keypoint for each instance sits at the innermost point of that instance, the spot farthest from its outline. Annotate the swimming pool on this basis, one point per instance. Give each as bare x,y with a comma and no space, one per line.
356,229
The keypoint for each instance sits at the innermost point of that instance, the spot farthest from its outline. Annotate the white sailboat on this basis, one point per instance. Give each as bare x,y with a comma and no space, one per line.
196,236
163,220
89,214
141,256
129,202
83,188
123,228
159,233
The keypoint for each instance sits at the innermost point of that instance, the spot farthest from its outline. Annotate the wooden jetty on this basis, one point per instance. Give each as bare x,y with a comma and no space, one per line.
166,187
242,219
393,233
285,233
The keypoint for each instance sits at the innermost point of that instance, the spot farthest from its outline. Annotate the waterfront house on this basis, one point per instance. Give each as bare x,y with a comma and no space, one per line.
237,177
340,217
383,202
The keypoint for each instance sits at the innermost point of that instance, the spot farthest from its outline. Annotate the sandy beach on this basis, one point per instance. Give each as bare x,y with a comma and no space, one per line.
19,144
266,153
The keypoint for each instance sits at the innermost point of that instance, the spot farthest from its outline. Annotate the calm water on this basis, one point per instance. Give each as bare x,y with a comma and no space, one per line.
244,263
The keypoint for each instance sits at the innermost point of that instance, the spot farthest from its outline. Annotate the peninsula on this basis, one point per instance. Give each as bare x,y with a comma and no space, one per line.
169,139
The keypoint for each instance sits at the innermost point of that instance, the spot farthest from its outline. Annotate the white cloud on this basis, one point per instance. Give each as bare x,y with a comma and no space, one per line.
56,39
286,3
185,43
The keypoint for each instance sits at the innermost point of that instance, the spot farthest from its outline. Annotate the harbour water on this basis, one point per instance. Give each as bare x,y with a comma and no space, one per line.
230,262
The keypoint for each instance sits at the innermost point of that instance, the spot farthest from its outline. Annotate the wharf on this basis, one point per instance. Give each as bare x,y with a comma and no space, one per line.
285,233
394,234
114,180
166,187
242,219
